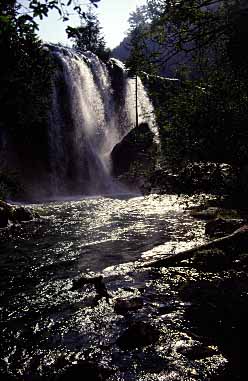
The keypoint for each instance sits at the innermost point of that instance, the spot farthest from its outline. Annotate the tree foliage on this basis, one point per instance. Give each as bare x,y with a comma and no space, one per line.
88,36
204,118
25,82
25,65
202,30
141,50
29,12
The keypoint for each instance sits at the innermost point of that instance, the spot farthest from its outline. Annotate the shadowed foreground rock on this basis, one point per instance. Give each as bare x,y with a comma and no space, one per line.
87,371
218,314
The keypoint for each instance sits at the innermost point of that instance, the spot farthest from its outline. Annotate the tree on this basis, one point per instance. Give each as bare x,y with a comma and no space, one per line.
140,49
25,83
37,9
25,73
205,117
196,31
88,36
138,18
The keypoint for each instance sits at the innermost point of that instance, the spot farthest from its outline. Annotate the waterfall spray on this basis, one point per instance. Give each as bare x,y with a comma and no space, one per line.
88,118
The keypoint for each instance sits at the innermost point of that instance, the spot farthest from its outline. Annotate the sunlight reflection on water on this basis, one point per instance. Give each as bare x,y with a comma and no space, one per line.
40,260
105,230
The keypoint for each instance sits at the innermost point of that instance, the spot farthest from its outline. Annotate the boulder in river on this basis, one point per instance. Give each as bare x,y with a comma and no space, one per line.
123,306
97,281
139,334
137,147
15,214
20,214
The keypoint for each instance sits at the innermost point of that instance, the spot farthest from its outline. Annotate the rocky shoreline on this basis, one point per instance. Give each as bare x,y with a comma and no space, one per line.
14,214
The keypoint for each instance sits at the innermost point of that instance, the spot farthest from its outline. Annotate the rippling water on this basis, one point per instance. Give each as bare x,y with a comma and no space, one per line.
40,315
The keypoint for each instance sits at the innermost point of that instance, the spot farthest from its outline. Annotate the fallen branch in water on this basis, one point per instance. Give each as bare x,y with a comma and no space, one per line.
238,240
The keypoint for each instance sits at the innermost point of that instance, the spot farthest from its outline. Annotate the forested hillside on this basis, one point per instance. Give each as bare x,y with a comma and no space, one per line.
203,43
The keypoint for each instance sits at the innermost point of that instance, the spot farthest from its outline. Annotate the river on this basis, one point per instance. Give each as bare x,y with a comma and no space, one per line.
42,319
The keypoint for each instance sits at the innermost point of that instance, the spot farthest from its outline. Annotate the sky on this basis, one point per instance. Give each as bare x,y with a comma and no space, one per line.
113,16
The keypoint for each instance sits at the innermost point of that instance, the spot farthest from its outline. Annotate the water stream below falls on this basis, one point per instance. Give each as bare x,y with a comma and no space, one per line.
47,327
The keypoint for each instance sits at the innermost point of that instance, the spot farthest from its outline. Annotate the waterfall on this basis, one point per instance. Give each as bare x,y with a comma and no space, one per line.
91,112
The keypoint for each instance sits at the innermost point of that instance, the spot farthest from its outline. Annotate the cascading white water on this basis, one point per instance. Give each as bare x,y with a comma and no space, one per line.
88,118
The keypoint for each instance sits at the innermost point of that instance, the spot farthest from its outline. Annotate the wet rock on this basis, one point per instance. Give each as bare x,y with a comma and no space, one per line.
240,239
3,217
117,75
7,377
83,280
15,214
218,311
197,352
211,260
100,287
207,214
61,363
5,213
139,334
220,227
165,181
192,177
123,306
152,362
137,146
101,290
4,374
86,370
20,214
5,205
242,261
166,309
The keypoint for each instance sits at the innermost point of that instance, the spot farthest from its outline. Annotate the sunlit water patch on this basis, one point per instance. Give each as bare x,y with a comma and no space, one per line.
46,326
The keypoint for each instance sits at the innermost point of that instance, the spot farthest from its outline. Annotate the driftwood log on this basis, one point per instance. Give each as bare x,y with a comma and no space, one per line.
238,240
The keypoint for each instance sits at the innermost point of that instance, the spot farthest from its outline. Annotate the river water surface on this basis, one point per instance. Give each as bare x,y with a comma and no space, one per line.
42,319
